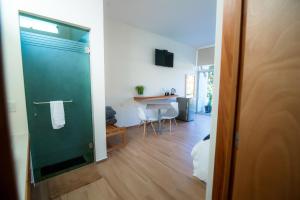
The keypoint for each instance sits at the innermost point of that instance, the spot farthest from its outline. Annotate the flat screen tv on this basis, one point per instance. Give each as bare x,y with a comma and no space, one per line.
164,58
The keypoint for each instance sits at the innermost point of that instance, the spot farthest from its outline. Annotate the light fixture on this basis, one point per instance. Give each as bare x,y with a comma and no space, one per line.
36,24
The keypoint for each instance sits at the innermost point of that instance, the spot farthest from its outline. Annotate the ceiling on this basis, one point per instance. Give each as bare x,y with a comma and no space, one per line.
188,21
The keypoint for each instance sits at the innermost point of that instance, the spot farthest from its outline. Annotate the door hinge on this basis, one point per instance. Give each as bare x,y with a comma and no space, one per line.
91,145
236,140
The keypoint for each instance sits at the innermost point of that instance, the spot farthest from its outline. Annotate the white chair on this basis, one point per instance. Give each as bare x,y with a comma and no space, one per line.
147,116
171,114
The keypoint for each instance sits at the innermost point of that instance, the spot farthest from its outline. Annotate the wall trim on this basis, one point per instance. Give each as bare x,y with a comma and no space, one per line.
207,46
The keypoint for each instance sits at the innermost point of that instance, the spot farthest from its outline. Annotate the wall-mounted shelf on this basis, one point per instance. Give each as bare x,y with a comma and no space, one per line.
147,98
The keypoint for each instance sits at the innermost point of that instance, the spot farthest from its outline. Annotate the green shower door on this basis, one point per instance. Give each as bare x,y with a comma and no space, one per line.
57,69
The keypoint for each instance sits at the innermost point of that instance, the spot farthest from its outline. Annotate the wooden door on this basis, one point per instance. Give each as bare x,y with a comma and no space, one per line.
267,159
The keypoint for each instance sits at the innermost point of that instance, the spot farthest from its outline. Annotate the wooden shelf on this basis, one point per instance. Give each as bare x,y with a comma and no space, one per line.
147,98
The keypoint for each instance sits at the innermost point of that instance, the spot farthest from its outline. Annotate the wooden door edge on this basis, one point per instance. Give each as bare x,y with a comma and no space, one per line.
229,75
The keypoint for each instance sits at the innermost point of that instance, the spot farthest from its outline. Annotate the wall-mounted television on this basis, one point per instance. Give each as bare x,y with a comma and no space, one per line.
164,58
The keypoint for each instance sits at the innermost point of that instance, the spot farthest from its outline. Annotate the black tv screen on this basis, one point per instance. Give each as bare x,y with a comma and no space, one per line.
164,58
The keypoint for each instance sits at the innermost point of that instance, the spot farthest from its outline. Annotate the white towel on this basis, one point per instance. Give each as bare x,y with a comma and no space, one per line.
57,114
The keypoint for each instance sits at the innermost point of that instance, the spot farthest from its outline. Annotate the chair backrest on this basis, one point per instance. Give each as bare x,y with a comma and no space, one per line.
152,113
141,113
175,107
172,110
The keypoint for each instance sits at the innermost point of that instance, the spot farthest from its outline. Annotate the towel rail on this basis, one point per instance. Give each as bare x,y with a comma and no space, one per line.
47,102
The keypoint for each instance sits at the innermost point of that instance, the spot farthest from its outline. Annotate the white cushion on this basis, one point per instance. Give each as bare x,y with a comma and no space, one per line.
200,155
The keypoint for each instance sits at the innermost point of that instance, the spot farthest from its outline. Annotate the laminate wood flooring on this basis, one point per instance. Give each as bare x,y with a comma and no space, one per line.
151,168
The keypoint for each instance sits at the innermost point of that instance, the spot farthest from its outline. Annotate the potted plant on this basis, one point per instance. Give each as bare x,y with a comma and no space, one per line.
139,89
208,106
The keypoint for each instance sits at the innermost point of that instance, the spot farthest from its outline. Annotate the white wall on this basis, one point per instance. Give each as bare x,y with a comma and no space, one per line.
206,56
87,14
214,116
129,61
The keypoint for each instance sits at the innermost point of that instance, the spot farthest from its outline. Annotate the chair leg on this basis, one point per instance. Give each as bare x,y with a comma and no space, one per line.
145,127
170,126
175,121
141,123
153,128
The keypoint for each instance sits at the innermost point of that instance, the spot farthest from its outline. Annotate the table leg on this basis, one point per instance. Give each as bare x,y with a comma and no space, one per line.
159,121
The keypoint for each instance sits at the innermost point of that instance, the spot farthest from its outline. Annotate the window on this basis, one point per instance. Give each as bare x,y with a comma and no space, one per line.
32,23
190,85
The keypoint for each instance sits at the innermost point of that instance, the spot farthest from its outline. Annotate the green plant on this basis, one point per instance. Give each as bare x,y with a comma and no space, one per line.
139,89
210,87
209,99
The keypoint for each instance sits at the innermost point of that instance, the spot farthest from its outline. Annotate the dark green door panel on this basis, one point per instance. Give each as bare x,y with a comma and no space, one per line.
57,69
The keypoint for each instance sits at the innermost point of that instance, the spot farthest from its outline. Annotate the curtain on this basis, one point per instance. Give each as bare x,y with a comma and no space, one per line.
202,91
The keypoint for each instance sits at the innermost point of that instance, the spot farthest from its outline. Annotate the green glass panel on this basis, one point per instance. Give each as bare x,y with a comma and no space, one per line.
57,69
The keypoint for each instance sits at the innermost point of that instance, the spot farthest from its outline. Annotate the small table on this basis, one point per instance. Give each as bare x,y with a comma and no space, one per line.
159,107
113,130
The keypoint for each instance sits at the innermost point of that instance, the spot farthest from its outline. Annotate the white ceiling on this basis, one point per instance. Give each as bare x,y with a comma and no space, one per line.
188,21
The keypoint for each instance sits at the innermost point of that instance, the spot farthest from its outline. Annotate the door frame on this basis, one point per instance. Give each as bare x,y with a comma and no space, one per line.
78,26
8,186
228,98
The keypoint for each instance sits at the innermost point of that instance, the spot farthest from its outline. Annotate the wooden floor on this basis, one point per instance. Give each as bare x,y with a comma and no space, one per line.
152,168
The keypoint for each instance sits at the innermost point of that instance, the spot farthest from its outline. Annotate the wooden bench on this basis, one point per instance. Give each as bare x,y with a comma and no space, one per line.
113,130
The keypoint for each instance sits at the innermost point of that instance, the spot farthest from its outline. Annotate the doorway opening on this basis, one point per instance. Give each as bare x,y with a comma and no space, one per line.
131,39
205,87
56,69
